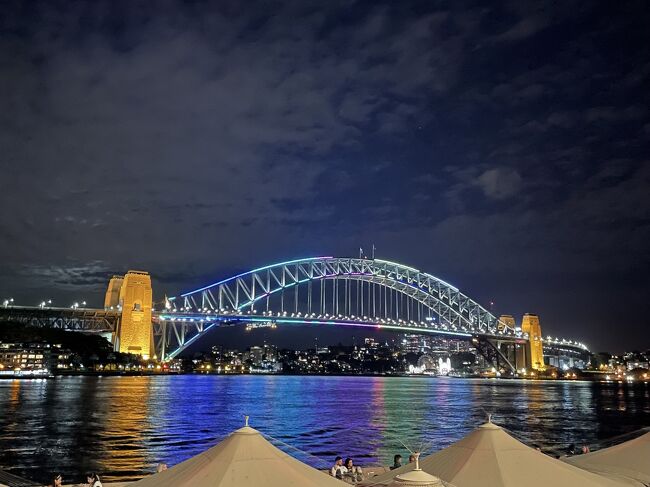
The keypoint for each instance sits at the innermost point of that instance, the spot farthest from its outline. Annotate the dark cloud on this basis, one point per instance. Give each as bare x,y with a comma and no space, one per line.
499,183
503,146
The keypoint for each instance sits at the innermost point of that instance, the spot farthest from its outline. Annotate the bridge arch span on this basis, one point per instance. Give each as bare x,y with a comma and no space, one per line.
348,289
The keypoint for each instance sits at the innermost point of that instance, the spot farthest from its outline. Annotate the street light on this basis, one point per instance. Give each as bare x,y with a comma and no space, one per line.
7,302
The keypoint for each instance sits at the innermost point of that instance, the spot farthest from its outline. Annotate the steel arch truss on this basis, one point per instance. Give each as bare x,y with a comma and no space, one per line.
245,292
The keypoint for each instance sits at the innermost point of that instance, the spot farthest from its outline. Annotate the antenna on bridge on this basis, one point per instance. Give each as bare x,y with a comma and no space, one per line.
360,253
373,251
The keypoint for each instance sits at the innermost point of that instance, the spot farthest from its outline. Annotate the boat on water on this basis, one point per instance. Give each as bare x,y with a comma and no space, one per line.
25,374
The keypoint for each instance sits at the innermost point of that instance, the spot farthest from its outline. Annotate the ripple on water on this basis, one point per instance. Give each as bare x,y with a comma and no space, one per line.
124,426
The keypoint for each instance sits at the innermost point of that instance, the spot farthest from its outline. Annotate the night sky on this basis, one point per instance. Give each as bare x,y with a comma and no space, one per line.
502,146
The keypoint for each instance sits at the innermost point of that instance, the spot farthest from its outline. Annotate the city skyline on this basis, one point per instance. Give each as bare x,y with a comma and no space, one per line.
502,148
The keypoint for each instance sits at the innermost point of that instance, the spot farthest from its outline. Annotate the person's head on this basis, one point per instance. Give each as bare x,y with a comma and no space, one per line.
92,477
411,458
338,461
348,463
585,449
161,467
57,480
397,459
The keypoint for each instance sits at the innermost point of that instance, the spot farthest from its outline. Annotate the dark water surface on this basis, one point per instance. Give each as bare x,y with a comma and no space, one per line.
123,426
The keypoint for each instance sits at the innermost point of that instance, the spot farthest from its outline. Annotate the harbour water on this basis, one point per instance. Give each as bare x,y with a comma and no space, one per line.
122,427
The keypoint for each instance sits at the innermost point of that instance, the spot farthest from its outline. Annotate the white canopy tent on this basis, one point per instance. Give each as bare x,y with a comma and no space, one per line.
244,459
10,480
630,459
490,457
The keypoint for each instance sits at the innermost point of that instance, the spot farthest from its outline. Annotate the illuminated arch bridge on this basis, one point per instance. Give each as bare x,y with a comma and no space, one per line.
371,293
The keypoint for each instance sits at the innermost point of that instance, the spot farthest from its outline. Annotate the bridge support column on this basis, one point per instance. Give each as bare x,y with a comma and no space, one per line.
530,324
496,352
135,332
112,299
522,359
519,357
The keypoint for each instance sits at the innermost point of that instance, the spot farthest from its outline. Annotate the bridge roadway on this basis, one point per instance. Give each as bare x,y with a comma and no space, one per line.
187,327
79,319
202,322
107,321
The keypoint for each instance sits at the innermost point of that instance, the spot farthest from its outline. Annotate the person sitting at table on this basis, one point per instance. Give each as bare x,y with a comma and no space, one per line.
353,471
338,469
93,480
57,480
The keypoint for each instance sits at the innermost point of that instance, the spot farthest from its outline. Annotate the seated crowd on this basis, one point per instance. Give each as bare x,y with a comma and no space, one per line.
346,470
92,480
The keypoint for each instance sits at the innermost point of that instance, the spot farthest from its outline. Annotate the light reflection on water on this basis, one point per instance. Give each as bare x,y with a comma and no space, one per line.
124,426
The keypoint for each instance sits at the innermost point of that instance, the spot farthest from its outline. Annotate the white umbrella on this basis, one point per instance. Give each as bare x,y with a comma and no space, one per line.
630,459
244,459
490,457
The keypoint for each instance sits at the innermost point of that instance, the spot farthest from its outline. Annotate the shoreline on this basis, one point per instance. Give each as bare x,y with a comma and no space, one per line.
590,377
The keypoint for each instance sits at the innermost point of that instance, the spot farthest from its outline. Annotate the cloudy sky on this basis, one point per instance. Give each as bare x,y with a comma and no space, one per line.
503,146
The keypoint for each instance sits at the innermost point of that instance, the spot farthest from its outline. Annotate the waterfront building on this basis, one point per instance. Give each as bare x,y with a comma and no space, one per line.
415,344
254,355
637,360
564,358
27,359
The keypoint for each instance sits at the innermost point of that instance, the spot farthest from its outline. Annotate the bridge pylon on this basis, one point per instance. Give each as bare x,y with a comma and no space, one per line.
133,295
530,324
112,299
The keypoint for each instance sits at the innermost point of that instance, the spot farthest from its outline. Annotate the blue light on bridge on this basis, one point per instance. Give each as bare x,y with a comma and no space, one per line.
253,272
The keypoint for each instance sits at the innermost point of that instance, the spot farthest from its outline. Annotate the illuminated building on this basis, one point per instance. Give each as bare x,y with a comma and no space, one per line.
33,358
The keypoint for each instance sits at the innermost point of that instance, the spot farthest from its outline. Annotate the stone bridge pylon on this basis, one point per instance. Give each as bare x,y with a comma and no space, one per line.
132,295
